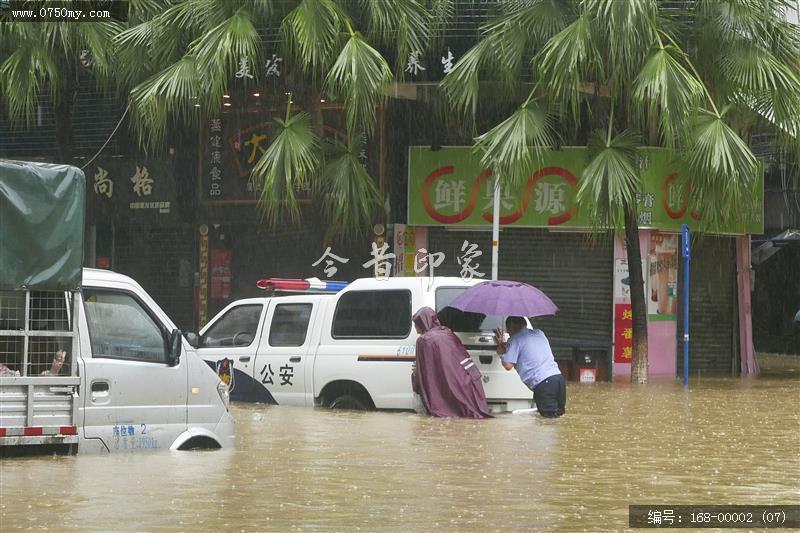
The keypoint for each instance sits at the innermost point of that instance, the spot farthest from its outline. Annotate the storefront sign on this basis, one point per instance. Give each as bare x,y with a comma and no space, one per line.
449,186
137,190
623,333
233,143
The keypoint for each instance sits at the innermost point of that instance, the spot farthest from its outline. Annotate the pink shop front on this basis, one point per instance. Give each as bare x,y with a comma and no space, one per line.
545,240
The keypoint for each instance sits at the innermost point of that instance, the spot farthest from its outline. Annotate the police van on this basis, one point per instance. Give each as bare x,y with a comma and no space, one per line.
349,348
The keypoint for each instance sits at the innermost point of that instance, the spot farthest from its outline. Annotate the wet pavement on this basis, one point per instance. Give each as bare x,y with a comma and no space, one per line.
722,441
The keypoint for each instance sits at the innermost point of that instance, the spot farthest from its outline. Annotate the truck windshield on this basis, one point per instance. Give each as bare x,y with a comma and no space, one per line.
459,320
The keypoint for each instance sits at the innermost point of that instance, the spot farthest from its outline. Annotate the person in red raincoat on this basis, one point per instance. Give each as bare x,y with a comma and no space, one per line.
443,375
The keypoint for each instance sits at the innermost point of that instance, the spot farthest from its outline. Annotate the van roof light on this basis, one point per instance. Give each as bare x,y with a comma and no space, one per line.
300,285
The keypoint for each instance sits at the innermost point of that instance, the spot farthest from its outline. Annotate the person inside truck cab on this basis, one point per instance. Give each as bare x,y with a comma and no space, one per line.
528,351
443,375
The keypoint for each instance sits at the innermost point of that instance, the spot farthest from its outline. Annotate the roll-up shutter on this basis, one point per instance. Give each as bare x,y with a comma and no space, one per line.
577,274
712,308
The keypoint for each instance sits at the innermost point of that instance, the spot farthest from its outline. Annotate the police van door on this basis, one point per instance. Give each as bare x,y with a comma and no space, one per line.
228,345
283,353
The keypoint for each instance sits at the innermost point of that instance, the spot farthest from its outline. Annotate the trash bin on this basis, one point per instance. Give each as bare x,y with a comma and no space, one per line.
591,364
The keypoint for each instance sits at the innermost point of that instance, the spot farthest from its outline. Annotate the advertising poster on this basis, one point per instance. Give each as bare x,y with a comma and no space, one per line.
221,274
407,241
662,302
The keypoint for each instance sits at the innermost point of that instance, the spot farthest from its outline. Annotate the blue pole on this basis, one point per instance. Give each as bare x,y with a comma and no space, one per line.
686,253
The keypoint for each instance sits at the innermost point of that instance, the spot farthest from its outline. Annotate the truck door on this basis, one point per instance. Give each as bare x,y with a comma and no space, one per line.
282,357
134,398
229,344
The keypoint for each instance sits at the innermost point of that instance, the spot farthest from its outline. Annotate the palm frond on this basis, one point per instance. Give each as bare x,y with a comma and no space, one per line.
164,96
22,76
628,30
349,195
462,84
567,59
287,165
723,170
310,31
666,93
357,76
610,181
98,38
402,24
512,147
221,49
523,27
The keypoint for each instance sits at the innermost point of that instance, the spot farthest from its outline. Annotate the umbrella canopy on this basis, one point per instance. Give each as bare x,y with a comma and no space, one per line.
505,298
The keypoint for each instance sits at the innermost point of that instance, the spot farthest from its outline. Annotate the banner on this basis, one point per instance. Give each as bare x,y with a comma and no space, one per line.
623,333
449,186
202,296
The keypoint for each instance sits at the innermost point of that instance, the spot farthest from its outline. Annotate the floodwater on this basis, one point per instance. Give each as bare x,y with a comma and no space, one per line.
722,441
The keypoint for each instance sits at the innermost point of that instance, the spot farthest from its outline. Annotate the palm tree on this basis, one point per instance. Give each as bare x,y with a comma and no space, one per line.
48,56
693,76
180,62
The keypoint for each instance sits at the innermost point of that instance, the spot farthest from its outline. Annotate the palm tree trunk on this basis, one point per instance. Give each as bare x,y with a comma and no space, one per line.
638,302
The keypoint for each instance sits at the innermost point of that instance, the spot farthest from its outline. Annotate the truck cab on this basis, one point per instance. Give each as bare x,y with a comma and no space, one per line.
88,361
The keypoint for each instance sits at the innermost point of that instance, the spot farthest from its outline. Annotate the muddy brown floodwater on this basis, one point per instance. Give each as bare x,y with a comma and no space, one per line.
722,441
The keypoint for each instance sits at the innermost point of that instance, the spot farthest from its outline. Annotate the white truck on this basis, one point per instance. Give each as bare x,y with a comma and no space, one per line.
88,361
352,349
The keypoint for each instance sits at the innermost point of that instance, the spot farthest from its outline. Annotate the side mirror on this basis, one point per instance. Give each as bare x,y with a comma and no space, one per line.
193,339
175,345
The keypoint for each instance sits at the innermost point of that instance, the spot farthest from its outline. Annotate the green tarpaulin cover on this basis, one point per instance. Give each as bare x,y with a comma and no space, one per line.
42,212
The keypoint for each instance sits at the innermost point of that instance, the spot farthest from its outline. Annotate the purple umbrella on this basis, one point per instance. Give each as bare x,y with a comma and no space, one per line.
505,298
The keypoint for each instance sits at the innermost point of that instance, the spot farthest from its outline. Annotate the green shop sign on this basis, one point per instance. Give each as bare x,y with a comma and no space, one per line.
450,187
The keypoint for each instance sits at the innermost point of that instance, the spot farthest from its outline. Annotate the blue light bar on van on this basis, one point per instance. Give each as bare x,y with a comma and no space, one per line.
300,285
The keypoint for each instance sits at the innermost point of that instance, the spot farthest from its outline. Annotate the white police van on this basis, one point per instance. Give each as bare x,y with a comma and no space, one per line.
351,349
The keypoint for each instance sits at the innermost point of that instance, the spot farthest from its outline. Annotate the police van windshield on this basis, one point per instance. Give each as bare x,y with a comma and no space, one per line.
459,320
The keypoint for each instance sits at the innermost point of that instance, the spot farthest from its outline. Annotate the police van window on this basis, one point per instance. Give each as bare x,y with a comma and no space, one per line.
237,327
462,321
370,314
289,325
120,328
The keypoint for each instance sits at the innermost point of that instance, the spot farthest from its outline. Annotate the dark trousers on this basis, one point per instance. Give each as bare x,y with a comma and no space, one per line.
550,396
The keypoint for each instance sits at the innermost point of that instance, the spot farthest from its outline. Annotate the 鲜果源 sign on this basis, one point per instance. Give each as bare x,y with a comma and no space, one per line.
450,187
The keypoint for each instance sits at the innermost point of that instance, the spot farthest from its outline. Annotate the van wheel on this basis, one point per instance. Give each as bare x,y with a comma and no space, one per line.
347,401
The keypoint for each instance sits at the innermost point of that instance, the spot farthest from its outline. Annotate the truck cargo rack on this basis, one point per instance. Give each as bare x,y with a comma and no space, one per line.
37,391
